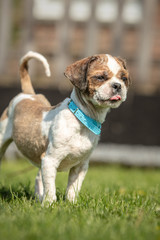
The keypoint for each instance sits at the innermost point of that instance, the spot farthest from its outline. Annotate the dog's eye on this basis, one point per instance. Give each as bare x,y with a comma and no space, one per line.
124,78
100,78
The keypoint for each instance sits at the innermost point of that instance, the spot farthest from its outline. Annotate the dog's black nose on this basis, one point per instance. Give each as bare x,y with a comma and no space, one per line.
116,86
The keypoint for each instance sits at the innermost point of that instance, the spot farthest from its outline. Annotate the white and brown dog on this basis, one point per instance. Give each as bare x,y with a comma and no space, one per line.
62,137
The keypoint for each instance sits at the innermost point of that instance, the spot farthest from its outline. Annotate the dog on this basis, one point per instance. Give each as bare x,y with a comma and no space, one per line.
62,137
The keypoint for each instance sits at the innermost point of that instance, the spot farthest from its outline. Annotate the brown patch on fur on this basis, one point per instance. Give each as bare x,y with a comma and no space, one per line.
122,62
124,72
26,84
98,69
90,73
4,115
83,73
27,128
41,98
77,72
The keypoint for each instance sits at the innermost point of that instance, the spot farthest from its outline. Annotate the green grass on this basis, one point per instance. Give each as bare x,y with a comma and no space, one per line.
115,203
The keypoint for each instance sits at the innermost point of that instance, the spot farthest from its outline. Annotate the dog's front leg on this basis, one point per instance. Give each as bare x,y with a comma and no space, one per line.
75,180
49,171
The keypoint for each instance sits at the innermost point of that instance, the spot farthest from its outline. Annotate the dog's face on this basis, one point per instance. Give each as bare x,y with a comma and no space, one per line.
103,79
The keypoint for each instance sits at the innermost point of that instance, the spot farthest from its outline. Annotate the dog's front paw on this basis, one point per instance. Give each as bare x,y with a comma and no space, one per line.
48,200
71,196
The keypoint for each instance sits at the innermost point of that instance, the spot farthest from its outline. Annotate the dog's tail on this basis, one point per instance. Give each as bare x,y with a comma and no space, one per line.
26,84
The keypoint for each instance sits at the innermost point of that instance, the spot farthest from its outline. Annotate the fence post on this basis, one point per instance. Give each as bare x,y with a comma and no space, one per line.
63,32
146,40
28,23
118,28
91,32
5,31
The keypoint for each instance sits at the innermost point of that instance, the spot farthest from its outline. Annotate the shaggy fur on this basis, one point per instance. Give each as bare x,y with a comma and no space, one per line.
52,137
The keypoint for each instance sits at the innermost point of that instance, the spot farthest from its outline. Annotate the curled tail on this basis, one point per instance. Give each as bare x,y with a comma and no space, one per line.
26,84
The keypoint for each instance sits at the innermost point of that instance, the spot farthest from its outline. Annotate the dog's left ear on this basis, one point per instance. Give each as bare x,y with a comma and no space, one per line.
77,72
124,64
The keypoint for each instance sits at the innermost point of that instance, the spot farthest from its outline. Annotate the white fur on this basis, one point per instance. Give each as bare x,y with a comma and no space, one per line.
63,130
70,145
75,180
113,65
40,58
105,91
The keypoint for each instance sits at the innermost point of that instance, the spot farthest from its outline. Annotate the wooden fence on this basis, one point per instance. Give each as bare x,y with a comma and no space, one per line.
126,155
132,24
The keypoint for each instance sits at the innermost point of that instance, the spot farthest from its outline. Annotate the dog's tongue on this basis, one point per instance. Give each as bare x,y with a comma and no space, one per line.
115,98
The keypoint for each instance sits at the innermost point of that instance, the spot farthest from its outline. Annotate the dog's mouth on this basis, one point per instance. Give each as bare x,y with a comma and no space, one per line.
112,99
115,98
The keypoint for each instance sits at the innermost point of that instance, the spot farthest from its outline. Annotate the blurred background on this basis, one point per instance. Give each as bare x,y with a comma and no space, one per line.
67,30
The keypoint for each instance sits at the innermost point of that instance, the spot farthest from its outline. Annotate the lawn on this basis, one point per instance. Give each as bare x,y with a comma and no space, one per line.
115,203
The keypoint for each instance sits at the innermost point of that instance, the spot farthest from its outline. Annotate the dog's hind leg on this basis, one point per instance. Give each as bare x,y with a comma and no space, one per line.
4,147
39,186
5,133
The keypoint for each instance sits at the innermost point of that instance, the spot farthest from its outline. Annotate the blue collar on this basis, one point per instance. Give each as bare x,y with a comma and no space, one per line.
89,122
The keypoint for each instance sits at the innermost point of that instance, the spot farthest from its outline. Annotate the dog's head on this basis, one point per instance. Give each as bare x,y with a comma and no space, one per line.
103,79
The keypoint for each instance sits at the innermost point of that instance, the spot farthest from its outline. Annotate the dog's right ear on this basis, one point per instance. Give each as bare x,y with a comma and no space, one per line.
77,72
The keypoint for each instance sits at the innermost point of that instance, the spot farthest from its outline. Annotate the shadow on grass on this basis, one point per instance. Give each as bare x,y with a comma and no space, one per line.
9,193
